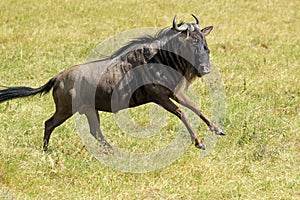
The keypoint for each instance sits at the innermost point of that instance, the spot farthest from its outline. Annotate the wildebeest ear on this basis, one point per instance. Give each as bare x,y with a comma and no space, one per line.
207,30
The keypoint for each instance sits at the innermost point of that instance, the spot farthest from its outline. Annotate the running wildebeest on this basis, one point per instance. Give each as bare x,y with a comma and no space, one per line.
148,69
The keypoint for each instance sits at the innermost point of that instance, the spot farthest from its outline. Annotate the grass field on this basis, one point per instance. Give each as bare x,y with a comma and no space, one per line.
254,44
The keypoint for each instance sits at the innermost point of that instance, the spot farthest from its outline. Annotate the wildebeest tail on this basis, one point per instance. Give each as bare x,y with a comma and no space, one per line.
21,91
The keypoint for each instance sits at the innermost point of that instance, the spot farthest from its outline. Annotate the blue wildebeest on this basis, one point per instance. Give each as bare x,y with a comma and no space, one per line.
169,57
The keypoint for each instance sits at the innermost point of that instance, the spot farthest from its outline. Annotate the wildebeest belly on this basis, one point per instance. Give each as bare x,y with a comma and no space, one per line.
120,98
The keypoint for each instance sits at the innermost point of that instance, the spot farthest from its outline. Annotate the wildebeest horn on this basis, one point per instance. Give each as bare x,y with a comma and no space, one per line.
183,28
197,20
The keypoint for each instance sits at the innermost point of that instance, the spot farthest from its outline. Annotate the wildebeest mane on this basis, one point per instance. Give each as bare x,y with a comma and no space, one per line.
145,39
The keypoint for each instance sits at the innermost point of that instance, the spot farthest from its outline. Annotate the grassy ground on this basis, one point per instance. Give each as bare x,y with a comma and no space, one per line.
256,46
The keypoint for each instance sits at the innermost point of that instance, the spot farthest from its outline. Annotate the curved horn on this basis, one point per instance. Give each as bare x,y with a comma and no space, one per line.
197,20
174,23
179,29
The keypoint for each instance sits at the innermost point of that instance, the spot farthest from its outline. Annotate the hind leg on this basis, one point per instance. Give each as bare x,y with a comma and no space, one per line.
57,119
94,124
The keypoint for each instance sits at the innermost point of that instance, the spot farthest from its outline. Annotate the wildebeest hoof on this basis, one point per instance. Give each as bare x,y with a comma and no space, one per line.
106,144
104,147
200,146
218,131
221,132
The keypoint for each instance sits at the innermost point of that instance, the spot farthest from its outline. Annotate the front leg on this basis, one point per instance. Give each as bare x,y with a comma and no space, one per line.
185,101
171,107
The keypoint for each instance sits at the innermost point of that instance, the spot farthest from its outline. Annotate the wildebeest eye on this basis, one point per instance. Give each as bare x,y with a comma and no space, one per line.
195,41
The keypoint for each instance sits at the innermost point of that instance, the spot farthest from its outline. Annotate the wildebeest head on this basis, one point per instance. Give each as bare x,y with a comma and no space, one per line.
192,45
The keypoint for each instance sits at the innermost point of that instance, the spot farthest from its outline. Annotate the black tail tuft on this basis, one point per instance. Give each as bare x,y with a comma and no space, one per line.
18,92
